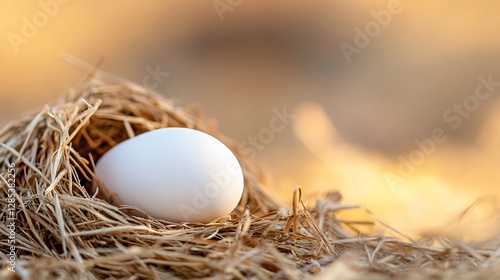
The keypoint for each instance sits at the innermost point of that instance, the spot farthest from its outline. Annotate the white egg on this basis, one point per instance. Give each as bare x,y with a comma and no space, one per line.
174,174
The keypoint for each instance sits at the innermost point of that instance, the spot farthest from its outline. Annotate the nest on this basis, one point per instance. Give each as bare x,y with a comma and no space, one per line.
66,229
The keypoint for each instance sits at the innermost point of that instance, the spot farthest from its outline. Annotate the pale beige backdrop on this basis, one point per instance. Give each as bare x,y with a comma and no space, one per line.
265,55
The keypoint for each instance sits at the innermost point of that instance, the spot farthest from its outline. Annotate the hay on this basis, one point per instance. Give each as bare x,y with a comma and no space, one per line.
65,230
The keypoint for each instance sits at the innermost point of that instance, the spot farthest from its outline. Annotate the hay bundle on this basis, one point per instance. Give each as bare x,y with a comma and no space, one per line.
66,229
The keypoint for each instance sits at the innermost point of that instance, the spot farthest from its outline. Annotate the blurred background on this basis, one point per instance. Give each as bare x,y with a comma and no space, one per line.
356,116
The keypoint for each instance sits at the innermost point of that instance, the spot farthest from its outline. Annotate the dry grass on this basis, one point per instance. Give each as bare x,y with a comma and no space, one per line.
65,230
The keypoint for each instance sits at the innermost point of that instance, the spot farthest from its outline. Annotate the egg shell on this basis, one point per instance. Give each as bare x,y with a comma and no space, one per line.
174,174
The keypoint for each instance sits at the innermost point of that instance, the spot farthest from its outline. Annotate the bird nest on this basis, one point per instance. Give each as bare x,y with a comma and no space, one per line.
57,225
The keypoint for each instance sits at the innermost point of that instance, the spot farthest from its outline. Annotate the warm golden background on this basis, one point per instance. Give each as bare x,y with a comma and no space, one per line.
353,120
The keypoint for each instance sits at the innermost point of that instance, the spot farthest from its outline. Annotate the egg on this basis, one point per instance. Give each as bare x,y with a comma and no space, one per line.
174,174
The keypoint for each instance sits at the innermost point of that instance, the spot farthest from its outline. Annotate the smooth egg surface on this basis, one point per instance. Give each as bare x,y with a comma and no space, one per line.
174,174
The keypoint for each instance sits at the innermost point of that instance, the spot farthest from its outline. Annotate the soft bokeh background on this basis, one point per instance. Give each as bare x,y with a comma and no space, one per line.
352,120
